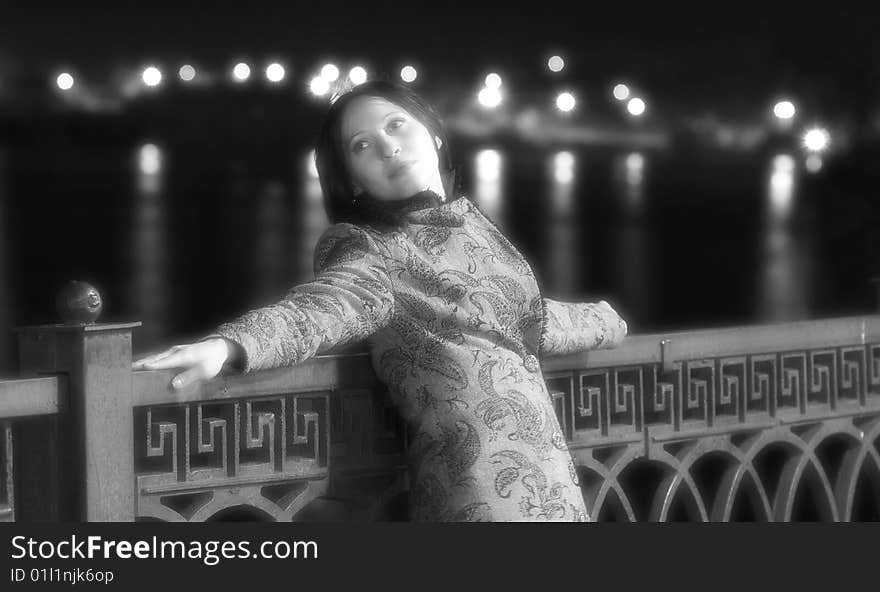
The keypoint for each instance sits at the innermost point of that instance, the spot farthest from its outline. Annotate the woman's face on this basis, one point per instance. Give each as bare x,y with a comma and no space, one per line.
390,154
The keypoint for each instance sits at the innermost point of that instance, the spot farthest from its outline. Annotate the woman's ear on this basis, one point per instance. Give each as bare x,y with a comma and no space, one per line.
438,141
356,189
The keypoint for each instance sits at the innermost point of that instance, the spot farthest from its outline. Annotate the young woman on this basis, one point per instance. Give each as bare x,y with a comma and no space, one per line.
451,311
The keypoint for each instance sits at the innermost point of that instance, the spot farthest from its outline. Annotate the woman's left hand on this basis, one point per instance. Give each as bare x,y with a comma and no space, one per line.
202,360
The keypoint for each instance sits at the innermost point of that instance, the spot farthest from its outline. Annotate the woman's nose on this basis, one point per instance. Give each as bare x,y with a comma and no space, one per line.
390,148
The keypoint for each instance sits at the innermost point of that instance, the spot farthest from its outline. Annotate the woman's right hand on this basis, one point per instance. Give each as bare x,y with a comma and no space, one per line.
202,360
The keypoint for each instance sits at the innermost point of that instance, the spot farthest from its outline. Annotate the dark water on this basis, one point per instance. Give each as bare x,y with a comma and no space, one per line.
186,235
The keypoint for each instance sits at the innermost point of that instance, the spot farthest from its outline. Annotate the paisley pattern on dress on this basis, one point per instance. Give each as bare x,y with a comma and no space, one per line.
458,448
571,327
476,512
345,249
421,356
515,415
351,297
541,498
455,323
436,232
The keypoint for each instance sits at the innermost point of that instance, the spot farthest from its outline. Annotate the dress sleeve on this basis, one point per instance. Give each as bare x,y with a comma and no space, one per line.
350,298
571,327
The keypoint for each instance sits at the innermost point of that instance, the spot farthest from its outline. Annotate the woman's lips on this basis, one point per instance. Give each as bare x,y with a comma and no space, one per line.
397,169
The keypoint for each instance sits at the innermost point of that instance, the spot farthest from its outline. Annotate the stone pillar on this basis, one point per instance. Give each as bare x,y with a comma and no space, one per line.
94,459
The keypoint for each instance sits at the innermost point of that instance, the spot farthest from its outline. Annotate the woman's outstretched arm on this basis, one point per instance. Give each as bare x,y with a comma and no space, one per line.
571,327
350,298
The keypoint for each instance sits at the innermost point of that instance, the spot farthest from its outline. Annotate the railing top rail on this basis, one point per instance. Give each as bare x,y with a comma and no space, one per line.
319,373
76,327
354,370
727,341
22,397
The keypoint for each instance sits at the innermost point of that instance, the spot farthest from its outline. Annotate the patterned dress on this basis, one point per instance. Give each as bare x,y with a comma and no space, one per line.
455,323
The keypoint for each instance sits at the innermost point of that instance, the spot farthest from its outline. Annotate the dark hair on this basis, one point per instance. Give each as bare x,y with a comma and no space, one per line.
330,155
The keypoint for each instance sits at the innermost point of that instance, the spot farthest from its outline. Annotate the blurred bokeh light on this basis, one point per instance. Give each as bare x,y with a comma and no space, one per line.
358,75
563,167
489,97
275,72
565,102
817,139
241,72
152,76
64,81
556,64
636,106
330,72
408,74
187,73
784,110
782,186
813,163
488,165
149,159
319,86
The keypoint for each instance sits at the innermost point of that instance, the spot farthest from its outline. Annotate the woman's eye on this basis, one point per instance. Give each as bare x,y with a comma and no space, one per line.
395,123
359,146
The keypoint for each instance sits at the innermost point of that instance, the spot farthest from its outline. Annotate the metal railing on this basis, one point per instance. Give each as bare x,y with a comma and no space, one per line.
771,422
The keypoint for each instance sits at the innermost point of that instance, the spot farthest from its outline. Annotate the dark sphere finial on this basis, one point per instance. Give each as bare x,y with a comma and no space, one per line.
79,302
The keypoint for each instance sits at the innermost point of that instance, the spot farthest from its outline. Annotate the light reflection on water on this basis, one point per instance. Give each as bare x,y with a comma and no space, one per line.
149,284
489,167
563,270
279,261
312,220
785,268
631,287
601,232
634,172
270,252
781,188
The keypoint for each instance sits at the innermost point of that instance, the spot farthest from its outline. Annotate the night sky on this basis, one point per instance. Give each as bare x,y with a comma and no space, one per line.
708,49
726,58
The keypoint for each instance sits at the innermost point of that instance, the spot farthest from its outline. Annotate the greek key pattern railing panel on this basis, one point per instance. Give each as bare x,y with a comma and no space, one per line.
600,405
7,475
263,458
792,435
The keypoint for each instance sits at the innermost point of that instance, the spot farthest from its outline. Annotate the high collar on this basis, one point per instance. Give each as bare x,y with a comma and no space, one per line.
419,208
419,201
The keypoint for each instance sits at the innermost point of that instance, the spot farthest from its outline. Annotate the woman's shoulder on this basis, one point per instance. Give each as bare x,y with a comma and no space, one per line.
344,241
471,208
348,230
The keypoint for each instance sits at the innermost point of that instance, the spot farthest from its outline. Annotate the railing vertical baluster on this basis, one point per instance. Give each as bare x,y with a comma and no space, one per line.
39,462
7,476
876,282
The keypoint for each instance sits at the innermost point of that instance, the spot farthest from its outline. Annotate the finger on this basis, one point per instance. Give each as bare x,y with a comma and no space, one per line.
147,363
158,355
141,364
170,360
185,379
